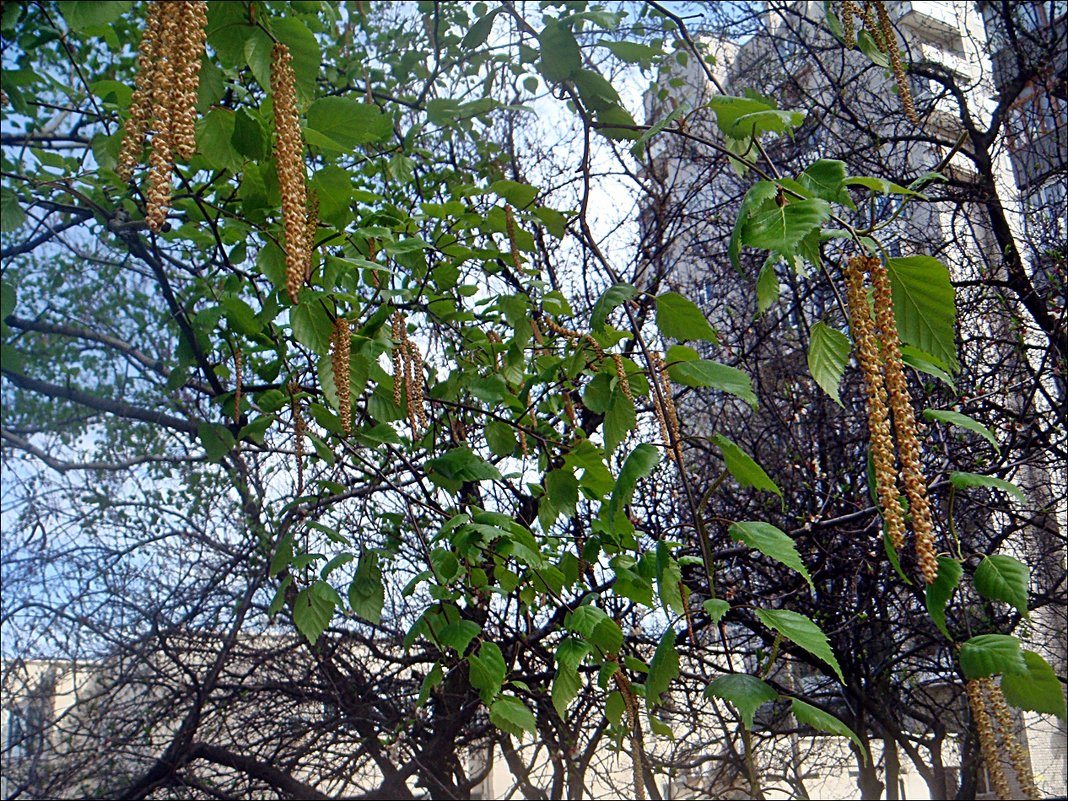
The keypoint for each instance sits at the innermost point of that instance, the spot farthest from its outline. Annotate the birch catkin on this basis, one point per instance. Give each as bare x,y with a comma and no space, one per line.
908,443
289,158
882,446
339,360
889,46
1017,756
987,742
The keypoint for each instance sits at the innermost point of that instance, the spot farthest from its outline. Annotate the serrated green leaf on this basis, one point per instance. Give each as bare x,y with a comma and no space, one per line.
707,373
458,634
487,670
808,715
216,439
782,228
345,123
80,15
746,693
742,466
825,178
560,54
478,33
680,318
312,326
756,198
965,480
924,306
962,421
926,363
1037,690
313,609
639,463
11,213
663,670
987,654
767,288
367,595
1003,578
938,593
511,715
880,185
716,608
669,580
619,420
612,297
828,352
802,632
773,543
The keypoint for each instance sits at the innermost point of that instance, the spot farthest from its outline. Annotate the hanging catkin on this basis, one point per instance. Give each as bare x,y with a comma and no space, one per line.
889,46
339,359
289,159
1021,765
164,99
882,446
987,742
908,443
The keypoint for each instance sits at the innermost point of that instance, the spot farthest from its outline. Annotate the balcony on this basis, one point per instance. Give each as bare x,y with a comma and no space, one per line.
1040,50
1037,159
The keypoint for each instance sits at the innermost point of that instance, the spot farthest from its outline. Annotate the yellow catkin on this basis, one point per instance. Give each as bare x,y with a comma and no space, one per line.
298,432
556,328
494,339
523,442
987,743
1017,756
621,375
658,409
289,158
161,159
597,349
414,384
569,409
237,386
671,429
191,34
339,359
141,111
849,8
889,45
882,446
908,443
400,336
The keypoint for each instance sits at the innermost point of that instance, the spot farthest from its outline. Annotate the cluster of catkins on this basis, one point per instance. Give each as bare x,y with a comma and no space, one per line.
298,221
985,696
408,374
879,355
165,98
876,20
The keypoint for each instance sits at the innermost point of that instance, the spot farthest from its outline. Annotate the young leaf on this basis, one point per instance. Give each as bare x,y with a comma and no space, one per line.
808,715
965,480
924,306
458,635
825,179
962,421
988,654
716,608
746,693
771,542
1003,578
639,463
758,195
618,421
938,594
478,33
366,592
744,469
681,319
663,670
511,715
487,671
803,632
612,297
313,608
345,123
782,228
767,288
560,54
216,439
828,352
706,373
1038,690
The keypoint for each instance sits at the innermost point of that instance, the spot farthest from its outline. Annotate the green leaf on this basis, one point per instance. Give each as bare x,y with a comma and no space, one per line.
81,15
868,47
214,135
313,609
639,463
888,547
1037,690
511,715
216,439
681,319
965,480
938,593
962,421
632,52
828,352
1003,578
517,194
772,542
311,324
609,118
782,228
924,306
458,634
478,33
716,608
460,465
880,185
825,178
247,139
367,594
988,654
612,297
758,195
619,420
767,288
706,373
500,437
432,680
746,693
808,715
596,93
742,466
663,670
742,117
7,300
803,632
560,54
926,363
347,122
487,671
669,580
